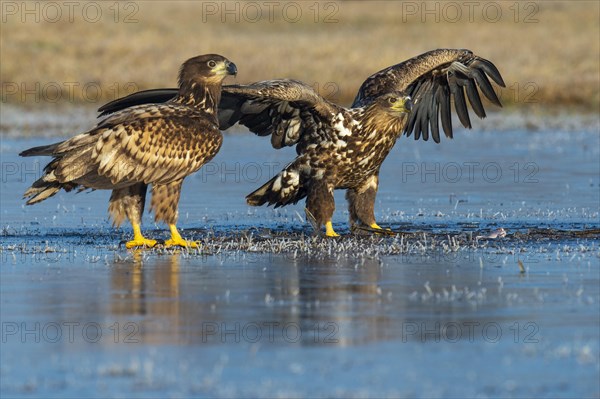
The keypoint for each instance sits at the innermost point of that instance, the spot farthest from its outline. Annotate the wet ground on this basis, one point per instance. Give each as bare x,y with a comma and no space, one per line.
269,309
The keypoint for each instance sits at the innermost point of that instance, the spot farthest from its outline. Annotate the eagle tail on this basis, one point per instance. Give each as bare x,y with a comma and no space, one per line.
47,185
71,160
38,194
283,189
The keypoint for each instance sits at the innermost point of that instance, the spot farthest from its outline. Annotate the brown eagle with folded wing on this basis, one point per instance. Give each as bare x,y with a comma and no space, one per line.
341,148
149,144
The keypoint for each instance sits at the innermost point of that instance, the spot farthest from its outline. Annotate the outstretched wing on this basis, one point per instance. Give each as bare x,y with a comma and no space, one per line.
285,109
432,79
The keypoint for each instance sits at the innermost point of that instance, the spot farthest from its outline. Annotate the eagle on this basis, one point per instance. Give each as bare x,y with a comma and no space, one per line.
156,144
343,148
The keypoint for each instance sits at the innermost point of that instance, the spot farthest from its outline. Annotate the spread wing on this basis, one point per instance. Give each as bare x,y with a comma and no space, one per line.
156,143
285,109
432,79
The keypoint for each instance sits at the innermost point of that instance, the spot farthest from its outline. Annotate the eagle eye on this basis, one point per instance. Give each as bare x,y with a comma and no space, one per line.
392,100
211,64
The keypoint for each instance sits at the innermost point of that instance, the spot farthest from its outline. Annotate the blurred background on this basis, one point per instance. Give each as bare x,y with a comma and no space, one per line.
91,52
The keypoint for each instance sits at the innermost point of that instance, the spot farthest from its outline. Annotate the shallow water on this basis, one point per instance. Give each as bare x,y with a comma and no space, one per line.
269,310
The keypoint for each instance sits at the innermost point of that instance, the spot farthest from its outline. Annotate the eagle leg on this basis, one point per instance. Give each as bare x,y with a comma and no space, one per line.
129,202
329,232
164,203
320,205
361,204
177,241
138,239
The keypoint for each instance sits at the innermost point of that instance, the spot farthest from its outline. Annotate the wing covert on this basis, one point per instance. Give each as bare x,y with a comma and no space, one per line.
154,144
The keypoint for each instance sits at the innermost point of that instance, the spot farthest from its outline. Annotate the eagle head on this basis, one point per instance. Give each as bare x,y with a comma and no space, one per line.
395,103
387,114
206,69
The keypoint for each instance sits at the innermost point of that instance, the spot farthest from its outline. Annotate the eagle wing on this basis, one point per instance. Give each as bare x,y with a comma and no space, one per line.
156,144
151,96
432,79
287,110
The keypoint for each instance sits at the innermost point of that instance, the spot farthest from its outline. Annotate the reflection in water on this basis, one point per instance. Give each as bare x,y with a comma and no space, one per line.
308,301
342,302
271,299
152,293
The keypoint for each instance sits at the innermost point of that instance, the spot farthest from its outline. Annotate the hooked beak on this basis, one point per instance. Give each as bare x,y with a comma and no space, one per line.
231,68
403,105
408,104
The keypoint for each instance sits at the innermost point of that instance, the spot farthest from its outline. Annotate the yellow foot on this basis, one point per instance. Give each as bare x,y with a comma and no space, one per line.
180,242
329,232
177,241
138,239
140,242
375,226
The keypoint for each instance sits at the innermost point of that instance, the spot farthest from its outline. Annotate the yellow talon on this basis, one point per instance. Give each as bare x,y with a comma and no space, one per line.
177,241
143,242
138,239
329,232
375,226
182,243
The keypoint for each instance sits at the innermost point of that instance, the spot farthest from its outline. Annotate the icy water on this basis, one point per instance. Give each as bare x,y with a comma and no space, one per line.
267,309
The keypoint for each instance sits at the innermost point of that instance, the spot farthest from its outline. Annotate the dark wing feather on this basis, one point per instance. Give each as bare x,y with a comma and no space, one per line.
287,110
474,98
432,79
153,96
459,101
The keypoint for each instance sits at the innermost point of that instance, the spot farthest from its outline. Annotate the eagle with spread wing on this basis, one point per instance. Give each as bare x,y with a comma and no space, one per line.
343,148
156,144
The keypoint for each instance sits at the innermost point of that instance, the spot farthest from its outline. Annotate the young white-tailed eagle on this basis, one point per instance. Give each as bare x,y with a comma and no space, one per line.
341,148
156,144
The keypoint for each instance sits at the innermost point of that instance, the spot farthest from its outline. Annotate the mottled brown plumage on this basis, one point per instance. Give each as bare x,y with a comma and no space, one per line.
338,148
335,147
150,144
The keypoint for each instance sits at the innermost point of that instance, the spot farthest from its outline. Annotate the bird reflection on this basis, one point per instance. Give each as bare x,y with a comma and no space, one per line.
269,299
148,286
339,301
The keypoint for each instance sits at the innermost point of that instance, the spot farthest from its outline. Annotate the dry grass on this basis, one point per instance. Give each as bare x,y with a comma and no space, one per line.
554,61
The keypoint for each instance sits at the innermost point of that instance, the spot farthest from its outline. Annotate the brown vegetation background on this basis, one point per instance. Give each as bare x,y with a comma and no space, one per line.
548,52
